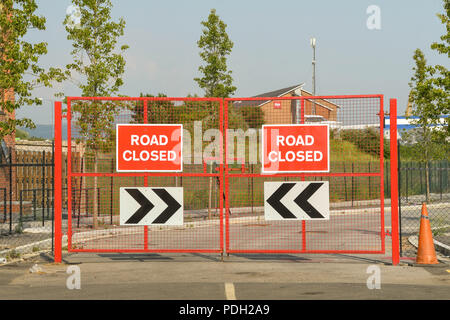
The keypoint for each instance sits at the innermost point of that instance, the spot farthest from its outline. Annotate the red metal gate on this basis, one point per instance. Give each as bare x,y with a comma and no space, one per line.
93,201
215,177
356,222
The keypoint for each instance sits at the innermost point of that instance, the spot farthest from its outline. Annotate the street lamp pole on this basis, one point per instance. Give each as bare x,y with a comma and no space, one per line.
313,45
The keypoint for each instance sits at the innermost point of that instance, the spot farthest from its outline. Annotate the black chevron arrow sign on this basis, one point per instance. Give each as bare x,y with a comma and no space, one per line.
145,208
156,206
302,200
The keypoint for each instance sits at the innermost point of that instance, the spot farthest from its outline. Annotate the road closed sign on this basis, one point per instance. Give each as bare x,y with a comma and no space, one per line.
295,148
149,147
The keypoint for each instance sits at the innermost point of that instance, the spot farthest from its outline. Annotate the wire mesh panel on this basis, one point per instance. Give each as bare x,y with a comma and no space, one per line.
421,182
355,177
94,182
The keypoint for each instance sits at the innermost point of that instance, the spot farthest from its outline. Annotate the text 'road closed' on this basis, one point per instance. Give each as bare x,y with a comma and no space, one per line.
295,148
149,148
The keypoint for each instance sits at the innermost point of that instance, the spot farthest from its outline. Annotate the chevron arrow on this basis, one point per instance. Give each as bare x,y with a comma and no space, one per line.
172,206
302,200
145,208
274,201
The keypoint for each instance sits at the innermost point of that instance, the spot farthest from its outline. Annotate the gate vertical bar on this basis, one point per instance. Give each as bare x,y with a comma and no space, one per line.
382,231
221,150
302,121
145,177
69,175
227,195
57,181
394,182
399,195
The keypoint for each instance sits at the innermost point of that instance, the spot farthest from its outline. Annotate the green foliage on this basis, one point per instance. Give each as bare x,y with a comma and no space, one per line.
158,111
215,46
19,67
94,48
96,59
418,146
22,134
367,140
253,115
441,80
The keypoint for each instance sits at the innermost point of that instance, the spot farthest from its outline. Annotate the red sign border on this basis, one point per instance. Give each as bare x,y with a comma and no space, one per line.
146,125
263,147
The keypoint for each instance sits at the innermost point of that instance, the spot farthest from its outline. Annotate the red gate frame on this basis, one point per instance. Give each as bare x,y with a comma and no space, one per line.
303,175
224,173
70,174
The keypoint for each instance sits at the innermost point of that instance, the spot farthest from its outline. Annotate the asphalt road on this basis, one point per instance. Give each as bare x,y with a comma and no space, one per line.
205,277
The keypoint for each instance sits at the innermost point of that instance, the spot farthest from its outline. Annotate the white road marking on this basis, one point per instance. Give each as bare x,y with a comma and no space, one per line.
229,291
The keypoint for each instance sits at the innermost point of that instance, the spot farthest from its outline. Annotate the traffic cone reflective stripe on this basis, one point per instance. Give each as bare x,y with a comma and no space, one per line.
426,253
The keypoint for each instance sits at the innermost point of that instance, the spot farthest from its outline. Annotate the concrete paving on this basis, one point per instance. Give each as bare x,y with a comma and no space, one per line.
206,277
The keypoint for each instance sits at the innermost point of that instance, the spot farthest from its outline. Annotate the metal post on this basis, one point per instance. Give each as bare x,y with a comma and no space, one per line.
43,188
53,193
399,200
313,44
407,180
34,204
345,184
394,183
111,208
353,182
370,188
58,183
440,179
98,201
10,191
20,206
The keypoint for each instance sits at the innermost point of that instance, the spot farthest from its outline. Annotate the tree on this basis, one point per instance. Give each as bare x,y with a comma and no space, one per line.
20,72
96,60
441,80
158,111
215,46
427,140
253,115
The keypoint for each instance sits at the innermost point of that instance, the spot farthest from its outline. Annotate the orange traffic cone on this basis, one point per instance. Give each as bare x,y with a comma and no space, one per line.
425,252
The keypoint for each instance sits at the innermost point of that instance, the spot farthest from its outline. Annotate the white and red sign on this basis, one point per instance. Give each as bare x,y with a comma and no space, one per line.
295,148
149,147
277,104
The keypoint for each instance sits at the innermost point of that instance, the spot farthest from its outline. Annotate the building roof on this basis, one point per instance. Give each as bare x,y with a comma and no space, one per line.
271,94
278,93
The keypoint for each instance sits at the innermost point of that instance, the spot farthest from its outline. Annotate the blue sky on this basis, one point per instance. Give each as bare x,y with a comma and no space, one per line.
271,46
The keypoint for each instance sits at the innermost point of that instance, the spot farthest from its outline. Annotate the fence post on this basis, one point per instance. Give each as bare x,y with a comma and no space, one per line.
58,183
394,183
43,188
398,197
10,190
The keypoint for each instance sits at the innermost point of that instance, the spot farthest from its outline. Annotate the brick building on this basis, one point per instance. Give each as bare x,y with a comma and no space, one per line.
285,111
6,144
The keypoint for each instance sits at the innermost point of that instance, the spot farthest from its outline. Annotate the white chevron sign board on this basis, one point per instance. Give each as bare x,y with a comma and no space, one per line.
144,206
301,200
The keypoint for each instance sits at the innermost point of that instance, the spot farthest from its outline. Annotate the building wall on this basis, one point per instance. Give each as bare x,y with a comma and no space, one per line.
287,113
10,141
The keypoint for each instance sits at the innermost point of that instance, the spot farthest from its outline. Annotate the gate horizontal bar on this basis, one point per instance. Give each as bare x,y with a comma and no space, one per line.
320,174
148,174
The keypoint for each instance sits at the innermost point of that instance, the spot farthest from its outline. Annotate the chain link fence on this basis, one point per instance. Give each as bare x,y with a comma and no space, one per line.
414,180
